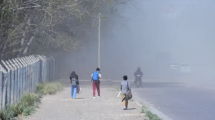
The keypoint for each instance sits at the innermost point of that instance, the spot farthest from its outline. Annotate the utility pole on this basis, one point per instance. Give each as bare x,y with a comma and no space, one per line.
99,39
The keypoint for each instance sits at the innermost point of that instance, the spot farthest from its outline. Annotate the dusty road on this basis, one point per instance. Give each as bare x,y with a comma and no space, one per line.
84,107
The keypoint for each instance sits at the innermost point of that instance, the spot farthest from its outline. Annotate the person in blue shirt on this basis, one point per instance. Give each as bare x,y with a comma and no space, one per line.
96,82
124,87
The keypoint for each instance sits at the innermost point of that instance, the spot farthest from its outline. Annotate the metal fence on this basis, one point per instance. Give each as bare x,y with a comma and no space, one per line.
20,75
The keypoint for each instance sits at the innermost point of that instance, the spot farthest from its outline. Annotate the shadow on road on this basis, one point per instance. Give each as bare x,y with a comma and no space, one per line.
131,108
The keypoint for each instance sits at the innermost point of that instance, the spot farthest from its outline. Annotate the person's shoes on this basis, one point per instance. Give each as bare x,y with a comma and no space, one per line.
94,97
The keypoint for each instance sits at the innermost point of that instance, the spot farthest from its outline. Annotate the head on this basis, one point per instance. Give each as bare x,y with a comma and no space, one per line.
125,77
73,73
97,69
138,69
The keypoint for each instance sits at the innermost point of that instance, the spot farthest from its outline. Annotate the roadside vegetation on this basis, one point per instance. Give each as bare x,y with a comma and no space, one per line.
27,106
48,88
149,114
30,102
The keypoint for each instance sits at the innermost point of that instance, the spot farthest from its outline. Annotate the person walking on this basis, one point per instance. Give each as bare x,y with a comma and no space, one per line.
96,82
74,84
124,87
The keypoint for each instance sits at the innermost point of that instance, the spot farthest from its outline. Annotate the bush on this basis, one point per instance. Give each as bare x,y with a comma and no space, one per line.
29,102
30,99
39,88
9,113
26,107
149,114
49,88
152,116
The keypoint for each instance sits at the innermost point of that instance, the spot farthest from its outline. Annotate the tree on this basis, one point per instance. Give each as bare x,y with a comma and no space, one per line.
36,26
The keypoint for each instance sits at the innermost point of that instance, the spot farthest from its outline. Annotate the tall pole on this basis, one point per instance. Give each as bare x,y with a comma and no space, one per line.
99,39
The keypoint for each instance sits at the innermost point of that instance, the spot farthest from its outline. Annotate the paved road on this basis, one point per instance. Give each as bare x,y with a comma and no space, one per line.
179,101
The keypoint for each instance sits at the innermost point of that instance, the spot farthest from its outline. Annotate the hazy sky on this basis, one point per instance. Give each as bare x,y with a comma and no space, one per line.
139,29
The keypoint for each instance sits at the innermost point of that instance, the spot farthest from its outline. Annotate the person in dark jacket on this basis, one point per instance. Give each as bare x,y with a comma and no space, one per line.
74,84
138,72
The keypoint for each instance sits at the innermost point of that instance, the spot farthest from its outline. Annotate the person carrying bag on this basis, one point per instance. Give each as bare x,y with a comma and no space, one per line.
74,84
126,92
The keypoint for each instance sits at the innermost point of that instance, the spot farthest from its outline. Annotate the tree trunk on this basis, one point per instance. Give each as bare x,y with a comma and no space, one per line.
27,46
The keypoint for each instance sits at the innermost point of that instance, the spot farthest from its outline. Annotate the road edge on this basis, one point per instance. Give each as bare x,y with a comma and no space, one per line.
141,102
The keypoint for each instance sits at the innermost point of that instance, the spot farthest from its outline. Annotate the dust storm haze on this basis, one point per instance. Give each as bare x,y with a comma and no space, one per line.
151,34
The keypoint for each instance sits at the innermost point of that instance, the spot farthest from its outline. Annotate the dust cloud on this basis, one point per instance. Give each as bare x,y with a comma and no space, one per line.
151,34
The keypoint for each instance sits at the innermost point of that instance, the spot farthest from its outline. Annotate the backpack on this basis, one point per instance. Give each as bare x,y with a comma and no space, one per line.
128,93
73,81
96,75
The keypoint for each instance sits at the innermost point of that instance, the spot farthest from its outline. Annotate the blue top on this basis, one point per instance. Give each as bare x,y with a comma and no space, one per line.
124,87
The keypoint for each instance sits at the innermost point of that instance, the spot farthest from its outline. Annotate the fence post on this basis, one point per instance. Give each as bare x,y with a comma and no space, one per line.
23,74
20,76
4,88
27,74
32,73
46,68
38,69
7,83
41,69
1,87
12,81
19,82
15,81
53,68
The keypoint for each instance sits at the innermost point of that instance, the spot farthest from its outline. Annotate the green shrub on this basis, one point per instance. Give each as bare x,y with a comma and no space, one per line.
152,116
49,88
144,109
30,99
29,110
149,114
26,107
39,88
9,113
29,102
